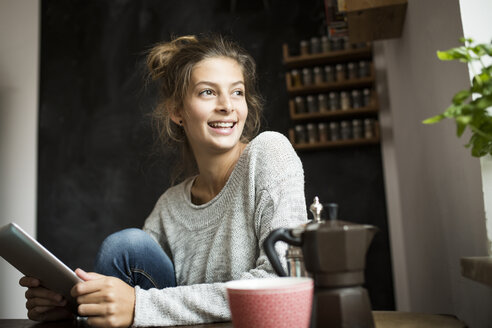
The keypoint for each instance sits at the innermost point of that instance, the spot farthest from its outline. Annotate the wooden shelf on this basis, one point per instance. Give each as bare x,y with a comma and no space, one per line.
336,56
335,144
363,82
334,114
357,83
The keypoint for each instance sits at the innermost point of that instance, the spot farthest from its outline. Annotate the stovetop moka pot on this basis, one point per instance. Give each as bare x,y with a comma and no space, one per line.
334,254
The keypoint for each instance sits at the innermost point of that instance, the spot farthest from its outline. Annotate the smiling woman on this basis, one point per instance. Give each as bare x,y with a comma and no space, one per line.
208,229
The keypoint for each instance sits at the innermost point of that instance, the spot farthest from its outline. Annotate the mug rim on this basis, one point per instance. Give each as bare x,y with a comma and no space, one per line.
270,284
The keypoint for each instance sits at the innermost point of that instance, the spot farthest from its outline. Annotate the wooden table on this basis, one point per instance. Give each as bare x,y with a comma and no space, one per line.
24,323
382,319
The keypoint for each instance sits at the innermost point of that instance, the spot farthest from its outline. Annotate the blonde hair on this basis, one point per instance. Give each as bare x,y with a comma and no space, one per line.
170,64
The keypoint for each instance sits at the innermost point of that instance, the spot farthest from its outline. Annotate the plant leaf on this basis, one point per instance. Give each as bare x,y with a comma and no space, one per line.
460,128
461,96
482,103
453,111
465,40
464,119
459,53
433,119
487,48
480,146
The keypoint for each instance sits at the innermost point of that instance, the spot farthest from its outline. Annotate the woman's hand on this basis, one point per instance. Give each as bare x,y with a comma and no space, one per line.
107,301
43,304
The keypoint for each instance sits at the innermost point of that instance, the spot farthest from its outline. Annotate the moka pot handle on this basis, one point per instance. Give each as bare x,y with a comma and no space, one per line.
281,234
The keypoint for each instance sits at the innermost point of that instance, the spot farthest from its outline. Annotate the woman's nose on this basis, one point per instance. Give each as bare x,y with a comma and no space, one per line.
225,104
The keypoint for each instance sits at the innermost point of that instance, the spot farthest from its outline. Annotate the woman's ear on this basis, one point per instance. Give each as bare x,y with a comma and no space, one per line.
176,117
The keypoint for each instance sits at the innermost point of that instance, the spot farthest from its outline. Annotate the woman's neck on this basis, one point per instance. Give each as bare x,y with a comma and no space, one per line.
214,170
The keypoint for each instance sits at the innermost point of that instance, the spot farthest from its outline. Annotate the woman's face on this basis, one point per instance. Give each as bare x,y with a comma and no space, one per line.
214,109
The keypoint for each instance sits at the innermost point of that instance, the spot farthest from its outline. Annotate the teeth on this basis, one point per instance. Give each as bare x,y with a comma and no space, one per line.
221,125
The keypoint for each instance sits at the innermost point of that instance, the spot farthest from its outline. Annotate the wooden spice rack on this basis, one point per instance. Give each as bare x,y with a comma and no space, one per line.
332,58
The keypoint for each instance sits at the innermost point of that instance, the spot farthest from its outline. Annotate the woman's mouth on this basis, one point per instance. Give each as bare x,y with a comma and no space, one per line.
222,125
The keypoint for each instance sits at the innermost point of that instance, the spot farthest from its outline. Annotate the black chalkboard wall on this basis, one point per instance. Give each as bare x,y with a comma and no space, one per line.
98,172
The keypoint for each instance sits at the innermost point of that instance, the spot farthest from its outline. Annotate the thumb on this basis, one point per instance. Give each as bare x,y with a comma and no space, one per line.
87,275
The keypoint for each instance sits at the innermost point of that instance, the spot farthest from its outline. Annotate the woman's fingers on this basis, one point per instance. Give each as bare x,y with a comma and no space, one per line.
29,282
42,309
93,298
91,310
41,292
107,301
43,302
49,314
88,275
88,287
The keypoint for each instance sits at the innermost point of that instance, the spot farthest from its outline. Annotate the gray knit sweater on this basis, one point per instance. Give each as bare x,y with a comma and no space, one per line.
222,240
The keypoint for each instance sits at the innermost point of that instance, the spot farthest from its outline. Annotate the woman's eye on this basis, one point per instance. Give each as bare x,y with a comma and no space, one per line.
206,92
238,93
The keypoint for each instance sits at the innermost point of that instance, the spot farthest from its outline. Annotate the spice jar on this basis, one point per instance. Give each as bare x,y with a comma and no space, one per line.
315,45
345,130
299,105
295,78
312,106
322,103
333,100
304,47
356,99
334,131
312,133
323,132
344,100
325,44
368,128
337,44
357,129
318,75
344,43
352,71
307,76
329,74
340,72
363,68
366,96
300,134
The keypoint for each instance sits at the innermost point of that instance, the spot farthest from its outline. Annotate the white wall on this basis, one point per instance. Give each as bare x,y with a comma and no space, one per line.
19,43
433,185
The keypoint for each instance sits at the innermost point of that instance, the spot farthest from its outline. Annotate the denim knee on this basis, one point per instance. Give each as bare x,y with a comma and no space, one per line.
124,239
123,244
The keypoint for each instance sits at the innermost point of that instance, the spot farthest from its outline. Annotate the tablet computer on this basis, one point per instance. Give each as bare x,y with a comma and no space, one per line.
33,260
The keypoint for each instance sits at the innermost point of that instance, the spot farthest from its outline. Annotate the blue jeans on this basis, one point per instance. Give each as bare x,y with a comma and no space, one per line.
136,258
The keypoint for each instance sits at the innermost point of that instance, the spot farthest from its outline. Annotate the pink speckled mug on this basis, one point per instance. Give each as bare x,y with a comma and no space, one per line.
271,302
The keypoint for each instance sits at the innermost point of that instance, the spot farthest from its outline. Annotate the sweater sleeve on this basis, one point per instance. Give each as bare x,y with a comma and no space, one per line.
279,202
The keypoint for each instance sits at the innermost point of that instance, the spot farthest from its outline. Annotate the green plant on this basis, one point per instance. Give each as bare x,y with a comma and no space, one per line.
470,107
